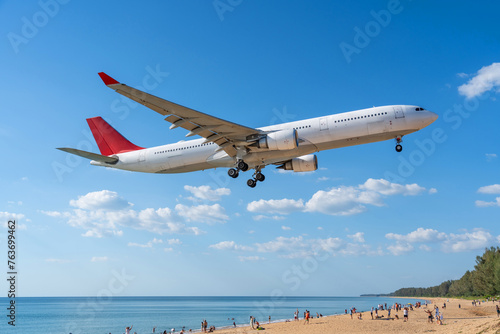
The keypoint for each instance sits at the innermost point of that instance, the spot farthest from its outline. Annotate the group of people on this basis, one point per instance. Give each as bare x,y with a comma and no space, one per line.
437,315
172,331
204,326
374,312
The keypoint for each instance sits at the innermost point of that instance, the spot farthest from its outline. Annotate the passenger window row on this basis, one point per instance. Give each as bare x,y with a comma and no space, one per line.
184,148
359,117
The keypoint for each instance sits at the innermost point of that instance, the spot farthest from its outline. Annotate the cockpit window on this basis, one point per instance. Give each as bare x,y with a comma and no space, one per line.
419,109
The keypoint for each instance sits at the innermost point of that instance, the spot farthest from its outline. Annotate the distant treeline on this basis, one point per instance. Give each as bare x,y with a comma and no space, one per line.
483,281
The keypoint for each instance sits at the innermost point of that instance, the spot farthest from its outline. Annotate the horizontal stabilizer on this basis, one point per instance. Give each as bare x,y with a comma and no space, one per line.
90,155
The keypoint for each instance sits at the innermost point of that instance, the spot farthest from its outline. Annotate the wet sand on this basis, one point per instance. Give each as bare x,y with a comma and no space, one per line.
467,319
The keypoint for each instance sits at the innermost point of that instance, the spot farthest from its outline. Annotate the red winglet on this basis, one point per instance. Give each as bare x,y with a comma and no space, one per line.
107,79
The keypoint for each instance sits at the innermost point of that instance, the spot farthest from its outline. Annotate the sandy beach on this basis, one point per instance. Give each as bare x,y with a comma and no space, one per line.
467,319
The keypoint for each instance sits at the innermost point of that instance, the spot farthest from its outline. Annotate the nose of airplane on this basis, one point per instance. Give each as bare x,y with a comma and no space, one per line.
433,116
429,118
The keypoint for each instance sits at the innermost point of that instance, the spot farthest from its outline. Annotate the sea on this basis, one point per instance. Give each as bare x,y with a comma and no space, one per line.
92,315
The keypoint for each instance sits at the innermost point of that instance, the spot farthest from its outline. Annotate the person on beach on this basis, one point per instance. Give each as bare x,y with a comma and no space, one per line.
351,313
359,316
128,329
371,312
296,315
429,315
498,311
269,319
405,314
252,322
307,317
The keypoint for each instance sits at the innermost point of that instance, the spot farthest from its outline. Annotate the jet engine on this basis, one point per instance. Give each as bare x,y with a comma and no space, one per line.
280,140
305,163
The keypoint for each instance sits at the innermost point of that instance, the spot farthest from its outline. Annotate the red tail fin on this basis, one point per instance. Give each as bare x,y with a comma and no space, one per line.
108,139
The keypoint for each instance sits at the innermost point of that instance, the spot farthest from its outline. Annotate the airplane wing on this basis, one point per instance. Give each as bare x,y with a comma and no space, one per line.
226,134
89,155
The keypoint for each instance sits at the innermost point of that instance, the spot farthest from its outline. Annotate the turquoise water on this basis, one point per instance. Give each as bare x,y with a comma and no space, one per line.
90,315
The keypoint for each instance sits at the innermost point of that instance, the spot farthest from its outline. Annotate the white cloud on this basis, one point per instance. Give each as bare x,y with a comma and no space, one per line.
230,245
52,213
100,200
385,187
432,191
174,242
341,201
490,156
462,75
209,214
168,249
400,248
329,245
206,193
492,189
280,206
420,235
99,259
149,244
9,215
487,78
358,237
286,228
320,228
466,241
261,217
298,247
323,178
483,204
425,248
104,213
478,239
281,244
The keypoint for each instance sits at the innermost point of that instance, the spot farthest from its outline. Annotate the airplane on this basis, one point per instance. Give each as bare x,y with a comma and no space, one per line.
288,146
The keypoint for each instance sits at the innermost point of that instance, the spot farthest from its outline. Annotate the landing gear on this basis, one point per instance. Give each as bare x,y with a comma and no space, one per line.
399,148
251,183
260,177
233,173
257,176
242,165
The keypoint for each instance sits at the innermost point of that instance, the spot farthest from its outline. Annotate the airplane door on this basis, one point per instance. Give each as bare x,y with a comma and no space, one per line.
323,124
398,112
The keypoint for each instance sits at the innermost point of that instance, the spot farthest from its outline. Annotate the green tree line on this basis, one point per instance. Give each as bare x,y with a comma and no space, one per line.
484,280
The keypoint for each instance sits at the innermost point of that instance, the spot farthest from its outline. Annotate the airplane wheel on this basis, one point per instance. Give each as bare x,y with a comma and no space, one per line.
260,177
233,173
242,165
251,183
399,148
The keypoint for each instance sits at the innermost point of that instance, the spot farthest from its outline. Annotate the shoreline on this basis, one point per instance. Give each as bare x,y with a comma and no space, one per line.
466,318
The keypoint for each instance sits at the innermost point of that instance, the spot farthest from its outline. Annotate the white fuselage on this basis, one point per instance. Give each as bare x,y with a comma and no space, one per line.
315,134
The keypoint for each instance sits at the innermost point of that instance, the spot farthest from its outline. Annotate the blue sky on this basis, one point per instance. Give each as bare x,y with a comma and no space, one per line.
369,220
